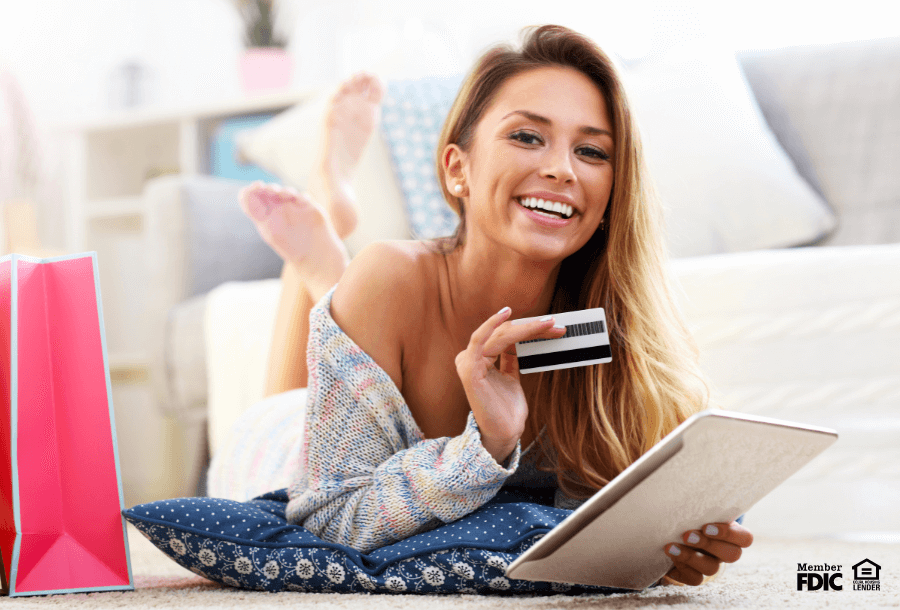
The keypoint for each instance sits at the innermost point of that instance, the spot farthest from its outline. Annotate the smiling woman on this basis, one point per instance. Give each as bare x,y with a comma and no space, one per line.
561,105
416,412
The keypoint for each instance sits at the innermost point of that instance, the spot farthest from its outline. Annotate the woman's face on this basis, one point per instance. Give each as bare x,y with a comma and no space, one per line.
546,137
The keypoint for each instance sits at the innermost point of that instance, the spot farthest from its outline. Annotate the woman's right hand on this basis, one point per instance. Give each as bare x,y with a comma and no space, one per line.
495,395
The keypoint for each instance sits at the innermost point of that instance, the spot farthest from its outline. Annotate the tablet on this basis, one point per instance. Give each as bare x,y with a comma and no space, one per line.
710,469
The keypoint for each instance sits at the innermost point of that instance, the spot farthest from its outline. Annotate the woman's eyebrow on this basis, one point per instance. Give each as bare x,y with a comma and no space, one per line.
587,130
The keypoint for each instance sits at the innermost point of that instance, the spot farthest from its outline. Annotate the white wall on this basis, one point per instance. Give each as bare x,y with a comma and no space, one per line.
65,51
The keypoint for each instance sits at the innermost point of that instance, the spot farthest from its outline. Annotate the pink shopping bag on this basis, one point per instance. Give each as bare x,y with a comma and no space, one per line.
61,527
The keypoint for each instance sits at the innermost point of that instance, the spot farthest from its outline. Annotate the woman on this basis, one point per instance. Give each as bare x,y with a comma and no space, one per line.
417,414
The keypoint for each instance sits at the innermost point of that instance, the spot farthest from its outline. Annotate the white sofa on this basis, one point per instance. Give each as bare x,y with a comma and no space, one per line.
810,334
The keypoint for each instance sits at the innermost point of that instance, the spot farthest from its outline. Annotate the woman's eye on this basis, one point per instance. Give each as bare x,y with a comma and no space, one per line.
593,153
526,137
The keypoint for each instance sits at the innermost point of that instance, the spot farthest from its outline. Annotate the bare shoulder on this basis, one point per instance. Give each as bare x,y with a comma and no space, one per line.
376,299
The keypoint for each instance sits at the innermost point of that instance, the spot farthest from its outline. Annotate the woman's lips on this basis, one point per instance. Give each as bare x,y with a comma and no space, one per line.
544,220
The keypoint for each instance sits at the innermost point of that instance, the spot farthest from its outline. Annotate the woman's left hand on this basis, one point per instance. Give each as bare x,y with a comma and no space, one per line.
705,549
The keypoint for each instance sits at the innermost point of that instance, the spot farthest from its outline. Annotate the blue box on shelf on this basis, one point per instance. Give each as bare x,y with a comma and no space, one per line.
224,161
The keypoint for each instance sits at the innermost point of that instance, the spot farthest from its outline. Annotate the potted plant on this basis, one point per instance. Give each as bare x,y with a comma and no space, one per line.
265,65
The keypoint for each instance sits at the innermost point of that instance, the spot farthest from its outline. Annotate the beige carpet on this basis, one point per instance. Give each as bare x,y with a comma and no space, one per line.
765,577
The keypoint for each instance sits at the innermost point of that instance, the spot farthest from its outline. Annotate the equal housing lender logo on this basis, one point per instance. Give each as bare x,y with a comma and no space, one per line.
828,577
866,576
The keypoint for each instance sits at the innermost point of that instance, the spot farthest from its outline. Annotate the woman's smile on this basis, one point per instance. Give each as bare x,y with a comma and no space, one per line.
546,212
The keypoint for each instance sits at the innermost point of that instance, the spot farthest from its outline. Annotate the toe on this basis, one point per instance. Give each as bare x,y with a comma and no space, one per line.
358,83
375,89
254,207
291,196
343,90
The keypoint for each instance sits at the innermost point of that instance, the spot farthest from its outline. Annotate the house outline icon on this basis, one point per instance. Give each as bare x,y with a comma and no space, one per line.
856,570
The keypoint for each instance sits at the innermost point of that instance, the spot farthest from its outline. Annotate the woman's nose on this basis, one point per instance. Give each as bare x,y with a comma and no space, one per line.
558,166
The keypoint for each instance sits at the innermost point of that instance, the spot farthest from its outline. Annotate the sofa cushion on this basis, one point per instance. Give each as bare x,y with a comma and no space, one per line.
238,321
843,101
224,244
725,182
250,545
779,120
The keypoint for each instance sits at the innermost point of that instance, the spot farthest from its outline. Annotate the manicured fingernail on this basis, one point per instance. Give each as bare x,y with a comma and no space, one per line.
674,550
693,538
545,318
711,530
560,326
504,310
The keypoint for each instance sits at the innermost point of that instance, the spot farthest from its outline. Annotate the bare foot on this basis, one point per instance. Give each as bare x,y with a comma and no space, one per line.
350,120
299,231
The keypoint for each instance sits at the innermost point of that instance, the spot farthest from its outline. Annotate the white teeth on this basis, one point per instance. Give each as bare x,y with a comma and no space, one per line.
553,206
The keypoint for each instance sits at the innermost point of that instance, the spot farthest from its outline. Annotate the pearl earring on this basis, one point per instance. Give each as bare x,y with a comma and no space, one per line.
457,189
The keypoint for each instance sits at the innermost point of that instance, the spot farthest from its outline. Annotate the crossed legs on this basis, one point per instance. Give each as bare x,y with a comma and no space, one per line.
306,231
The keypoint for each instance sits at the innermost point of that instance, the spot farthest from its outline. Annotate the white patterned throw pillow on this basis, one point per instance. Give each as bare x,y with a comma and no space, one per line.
411,122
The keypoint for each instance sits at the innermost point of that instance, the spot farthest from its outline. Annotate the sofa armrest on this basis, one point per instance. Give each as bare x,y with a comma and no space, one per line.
197,237
810,335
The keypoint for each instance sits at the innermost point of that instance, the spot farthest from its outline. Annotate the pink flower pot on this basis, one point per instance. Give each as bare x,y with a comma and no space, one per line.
265,69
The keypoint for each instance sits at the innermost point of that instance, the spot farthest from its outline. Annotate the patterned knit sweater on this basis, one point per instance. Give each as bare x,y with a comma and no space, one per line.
367,476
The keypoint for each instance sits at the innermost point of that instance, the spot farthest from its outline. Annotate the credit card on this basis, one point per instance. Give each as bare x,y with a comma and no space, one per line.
586,342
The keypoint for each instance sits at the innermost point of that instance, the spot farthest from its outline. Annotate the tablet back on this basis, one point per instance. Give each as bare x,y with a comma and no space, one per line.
712,468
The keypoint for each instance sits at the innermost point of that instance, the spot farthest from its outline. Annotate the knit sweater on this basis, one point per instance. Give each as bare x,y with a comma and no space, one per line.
367,476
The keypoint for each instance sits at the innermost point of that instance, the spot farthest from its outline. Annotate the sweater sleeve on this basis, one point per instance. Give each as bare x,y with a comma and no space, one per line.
367,478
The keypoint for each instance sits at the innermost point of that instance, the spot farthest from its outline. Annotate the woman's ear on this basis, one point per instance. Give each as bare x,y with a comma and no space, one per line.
453,162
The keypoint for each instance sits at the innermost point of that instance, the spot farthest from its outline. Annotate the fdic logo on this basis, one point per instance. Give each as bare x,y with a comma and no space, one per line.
818,576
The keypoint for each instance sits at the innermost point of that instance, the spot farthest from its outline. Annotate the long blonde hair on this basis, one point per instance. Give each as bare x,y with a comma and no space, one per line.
598,419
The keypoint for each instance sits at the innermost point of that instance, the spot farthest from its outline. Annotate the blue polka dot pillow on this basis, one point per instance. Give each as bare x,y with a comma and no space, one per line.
413,114
251,545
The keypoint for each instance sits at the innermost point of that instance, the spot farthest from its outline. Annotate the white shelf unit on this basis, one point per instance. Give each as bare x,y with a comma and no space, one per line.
108,164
